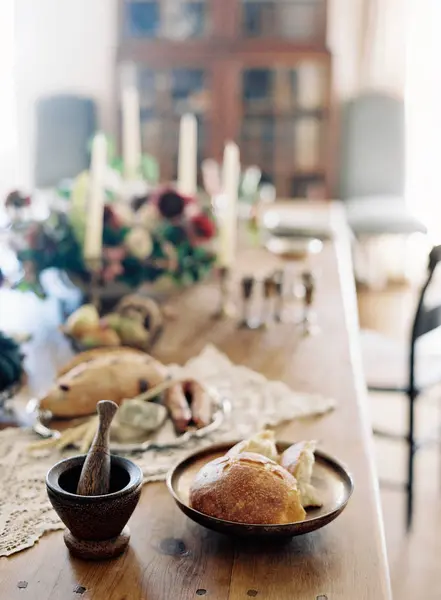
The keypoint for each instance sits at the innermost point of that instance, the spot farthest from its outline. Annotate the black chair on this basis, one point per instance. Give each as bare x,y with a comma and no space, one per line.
420,373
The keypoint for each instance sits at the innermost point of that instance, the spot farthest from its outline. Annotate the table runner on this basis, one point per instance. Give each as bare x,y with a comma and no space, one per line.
25,511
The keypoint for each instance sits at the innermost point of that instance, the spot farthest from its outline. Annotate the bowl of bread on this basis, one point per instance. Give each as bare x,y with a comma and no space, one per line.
155,409
260,487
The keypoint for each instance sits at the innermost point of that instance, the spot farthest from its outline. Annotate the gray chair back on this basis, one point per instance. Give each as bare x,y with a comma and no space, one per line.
64,126
372,147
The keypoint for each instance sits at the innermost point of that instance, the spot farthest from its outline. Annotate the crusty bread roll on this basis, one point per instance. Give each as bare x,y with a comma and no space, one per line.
88,355
299,460
247,488
262,443
107,377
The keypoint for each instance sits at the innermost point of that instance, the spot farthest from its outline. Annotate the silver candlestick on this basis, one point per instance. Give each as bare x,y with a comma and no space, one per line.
225,308
94,266
278,281
309,317
268,297
247,286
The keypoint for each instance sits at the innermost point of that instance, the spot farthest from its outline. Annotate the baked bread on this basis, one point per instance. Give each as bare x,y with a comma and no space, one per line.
108,377
142,309
262,443
247,488
88,355
299,460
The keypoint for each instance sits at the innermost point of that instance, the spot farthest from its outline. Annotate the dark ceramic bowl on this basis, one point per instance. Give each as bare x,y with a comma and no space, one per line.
94,517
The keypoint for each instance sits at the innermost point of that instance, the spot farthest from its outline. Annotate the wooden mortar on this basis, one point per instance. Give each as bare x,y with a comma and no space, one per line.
95,495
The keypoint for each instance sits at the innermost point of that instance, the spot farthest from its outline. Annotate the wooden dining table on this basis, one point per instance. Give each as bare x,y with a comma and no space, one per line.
172,558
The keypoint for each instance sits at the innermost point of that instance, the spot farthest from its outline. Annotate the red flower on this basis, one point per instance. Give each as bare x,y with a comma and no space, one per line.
203,226
17,199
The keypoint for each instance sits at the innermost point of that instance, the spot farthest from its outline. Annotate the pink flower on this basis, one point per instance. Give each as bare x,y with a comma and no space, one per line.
113,257
114,253
111,271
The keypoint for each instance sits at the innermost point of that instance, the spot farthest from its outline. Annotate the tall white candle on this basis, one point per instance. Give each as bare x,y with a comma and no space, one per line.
228,206
188,155
131,130
96,199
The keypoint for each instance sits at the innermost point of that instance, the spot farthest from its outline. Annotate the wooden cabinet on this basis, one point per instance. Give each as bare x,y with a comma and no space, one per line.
166,93
256,71
168,19
301,21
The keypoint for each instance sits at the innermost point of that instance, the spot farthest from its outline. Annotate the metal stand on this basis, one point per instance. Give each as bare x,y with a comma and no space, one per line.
247,289
95,265
267,308
278,280
309,320
225,309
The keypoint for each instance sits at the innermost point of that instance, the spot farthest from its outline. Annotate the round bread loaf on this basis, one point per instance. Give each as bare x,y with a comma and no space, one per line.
88,355
247,488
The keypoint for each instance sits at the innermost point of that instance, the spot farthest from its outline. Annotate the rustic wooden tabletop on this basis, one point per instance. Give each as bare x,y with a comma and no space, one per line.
170,557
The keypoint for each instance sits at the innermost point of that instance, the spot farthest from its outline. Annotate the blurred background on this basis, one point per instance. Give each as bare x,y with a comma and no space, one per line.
331,99
296,83
269,74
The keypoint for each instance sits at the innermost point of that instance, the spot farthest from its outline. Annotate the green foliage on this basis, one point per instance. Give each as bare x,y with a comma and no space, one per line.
54,244
150,169
11,362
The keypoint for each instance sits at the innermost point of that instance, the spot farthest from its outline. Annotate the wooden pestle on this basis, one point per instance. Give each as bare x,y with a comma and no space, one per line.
95,474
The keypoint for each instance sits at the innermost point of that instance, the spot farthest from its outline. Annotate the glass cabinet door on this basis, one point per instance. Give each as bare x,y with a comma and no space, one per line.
300,21
284,126
164,96
167,19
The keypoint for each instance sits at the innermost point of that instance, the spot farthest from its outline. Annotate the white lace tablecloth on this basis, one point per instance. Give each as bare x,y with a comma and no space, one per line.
25,512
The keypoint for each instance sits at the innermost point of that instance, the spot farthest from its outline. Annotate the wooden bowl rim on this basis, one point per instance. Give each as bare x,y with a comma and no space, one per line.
225,446
134,471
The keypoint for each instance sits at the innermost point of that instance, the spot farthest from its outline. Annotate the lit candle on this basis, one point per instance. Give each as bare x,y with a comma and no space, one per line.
95,205
131,133
228,206
188,155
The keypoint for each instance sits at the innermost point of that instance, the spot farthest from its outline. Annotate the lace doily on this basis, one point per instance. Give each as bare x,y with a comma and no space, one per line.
25,512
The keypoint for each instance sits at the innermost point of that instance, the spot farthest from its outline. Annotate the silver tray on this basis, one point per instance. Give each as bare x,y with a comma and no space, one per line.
163,439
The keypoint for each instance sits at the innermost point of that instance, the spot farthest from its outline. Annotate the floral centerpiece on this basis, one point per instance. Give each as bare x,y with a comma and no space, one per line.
115,224
162,233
